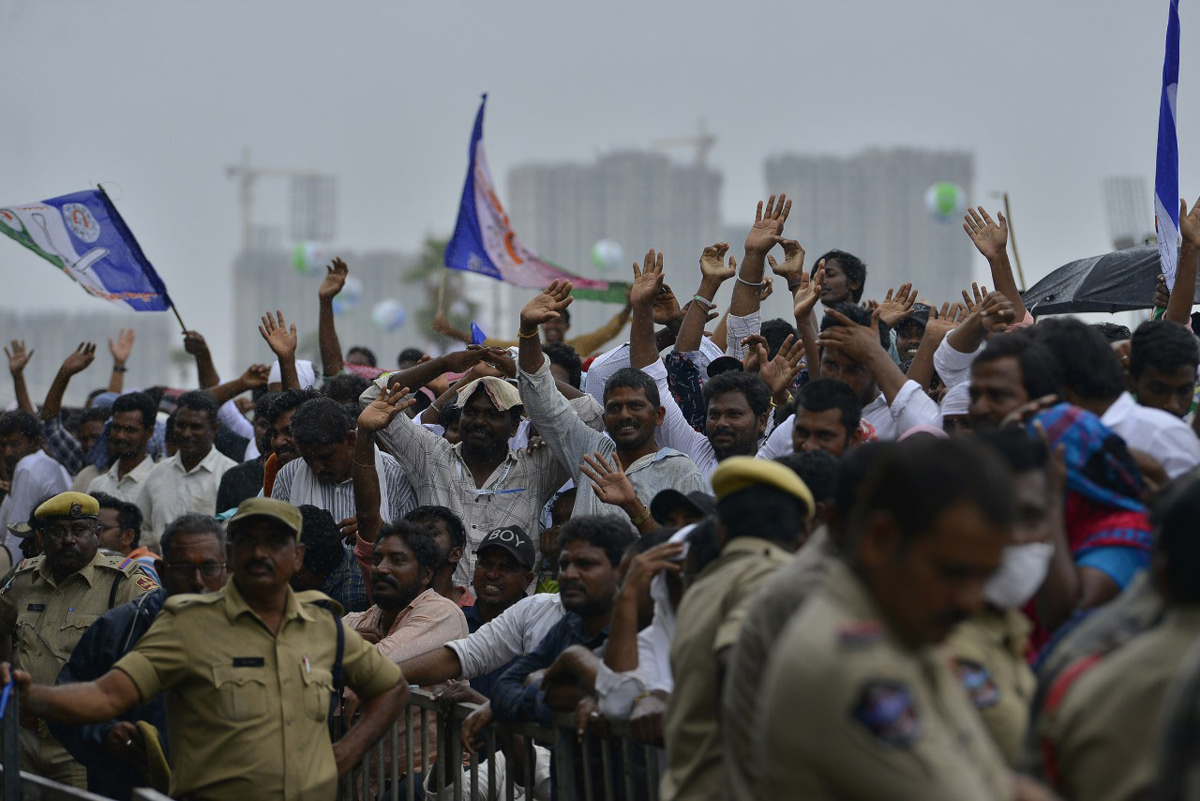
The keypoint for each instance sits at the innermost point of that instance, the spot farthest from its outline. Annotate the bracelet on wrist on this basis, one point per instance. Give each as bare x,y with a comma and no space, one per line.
118,368
530,335
642,518
749,283
703,301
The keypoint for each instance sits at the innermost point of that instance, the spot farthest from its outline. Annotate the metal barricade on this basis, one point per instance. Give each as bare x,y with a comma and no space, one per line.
599,767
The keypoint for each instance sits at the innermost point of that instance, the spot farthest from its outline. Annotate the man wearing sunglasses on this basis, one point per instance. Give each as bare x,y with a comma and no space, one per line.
193,560
49,603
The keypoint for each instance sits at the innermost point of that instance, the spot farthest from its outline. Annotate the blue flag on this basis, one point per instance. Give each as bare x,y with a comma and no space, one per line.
485,243
477,335
84,236
1166,170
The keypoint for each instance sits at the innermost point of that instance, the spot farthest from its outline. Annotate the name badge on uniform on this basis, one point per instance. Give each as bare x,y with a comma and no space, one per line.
249,661
36,608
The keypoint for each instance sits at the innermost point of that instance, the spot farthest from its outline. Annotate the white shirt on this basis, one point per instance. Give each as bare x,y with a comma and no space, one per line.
913,407
35,477
675,432
518,630
172,491
1160,434
876,413
954,366
128,487
617,692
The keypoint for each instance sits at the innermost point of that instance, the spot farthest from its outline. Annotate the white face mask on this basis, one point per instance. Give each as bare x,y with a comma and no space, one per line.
1022,571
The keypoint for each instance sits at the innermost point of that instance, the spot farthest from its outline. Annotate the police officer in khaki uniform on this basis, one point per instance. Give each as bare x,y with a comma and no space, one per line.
856,702
248,673
49,603
1101,718
762,506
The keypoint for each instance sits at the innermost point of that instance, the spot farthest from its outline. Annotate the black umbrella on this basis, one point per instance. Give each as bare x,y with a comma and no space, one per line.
1120,281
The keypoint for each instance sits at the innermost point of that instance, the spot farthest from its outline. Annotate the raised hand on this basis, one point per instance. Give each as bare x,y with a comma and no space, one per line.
768,225
779,373
546,306
793,261
279,337
712,262
121,349
768,288
978,292
609,481
942,323
1162,295
380,412
335,279
666,307
18,357
809,292
80,359
752,363
1189,223
996,312
858,342
194,344
648,281
897,304
460,361
256,375
990,238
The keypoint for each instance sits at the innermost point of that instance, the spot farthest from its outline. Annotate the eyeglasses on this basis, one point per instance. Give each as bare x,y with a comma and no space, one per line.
185,570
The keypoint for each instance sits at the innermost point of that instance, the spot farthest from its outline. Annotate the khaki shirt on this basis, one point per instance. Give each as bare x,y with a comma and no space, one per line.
988,654
848,711
49,618
709,620
768,613
246,709
1101,738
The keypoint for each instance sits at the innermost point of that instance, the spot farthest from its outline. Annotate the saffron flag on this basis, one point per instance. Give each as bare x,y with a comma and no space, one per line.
84,236
485,243
1166,170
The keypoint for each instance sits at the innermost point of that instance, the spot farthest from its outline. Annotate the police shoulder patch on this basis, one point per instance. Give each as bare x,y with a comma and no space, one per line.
145,582
885,709
980,686
860,632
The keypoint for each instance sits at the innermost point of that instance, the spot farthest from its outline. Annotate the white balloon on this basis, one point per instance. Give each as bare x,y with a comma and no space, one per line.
608,255
388,314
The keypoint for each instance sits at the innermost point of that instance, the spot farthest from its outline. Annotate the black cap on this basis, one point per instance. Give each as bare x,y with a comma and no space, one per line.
724,364
919,316
514,540
701,502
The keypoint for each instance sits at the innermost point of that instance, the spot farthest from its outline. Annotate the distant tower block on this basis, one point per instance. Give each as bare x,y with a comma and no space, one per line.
1127,207
314,207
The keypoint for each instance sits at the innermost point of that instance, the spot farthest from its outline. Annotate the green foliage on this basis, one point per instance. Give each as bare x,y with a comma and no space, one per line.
426,276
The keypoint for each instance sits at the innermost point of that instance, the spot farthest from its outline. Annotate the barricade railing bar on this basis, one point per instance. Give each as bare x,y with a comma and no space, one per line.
519,761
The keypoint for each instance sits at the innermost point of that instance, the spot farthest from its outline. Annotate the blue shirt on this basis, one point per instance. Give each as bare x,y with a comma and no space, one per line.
511,699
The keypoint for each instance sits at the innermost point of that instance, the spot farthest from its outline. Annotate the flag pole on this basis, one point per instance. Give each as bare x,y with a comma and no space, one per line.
180,319
441,295
1012,237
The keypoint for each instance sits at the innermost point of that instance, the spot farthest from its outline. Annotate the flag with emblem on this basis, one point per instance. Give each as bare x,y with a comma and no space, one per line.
485,243
83,235
1166,169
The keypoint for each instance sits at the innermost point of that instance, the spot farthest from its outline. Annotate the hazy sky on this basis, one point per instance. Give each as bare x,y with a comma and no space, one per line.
157,98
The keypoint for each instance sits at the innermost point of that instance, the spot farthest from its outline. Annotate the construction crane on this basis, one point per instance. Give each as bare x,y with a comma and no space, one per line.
703,141
312,199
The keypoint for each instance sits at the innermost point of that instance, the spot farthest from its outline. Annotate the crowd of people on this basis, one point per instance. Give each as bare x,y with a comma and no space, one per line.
894,547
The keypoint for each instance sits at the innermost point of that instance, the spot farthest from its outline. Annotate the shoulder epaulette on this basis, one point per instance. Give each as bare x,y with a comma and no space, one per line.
318,598
177,602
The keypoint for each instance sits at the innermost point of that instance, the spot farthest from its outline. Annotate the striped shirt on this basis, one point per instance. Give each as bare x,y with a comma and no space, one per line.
512,495
338,499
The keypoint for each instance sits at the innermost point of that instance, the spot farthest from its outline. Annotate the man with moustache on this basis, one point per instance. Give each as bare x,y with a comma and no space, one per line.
187,481
409,618
193,560
129,431
248,673
632,412
51,601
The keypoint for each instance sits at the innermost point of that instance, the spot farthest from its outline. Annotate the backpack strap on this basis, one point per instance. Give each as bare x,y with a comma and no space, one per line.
112,593
336,671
